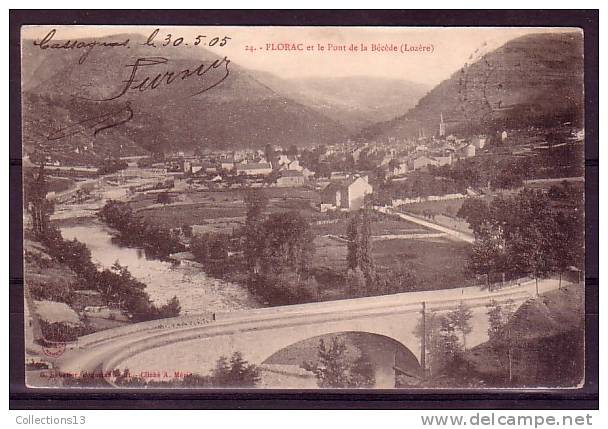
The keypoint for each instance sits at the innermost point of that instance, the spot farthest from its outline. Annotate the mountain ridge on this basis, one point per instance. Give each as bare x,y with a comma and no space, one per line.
515,85
355,101
239,112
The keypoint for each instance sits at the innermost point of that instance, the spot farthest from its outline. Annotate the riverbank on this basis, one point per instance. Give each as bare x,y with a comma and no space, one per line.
197,292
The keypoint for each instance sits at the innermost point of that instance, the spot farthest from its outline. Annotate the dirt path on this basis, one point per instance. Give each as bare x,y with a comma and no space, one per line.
452,233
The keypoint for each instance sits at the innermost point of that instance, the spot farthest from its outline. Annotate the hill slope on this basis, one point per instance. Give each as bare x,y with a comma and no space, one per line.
532,80
548,335
60,112
354,101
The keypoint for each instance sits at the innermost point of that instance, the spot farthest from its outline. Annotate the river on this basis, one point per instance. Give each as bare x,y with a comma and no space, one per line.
197,292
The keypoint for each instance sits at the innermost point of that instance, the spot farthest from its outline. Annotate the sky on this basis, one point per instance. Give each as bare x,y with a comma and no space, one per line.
451,47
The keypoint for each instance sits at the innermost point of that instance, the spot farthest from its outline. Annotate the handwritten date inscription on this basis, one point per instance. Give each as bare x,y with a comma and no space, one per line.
48,42
143,74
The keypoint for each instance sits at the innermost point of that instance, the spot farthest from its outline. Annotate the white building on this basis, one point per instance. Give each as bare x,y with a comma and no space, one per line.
348,194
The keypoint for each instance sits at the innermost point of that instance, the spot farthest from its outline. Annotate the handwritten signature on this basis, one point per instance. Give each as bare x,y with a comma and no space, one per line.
97,123
135,82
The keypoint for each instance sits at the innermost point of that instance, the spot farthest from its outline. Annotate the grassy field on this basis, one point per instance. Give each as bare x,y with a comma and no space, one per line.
438,263
441,212
172,216
59,184
216,208
380,227
446,207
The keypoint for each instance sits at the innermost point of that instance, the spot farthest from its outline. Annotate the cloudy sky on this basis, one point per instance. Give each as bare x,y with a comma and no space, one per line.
452,47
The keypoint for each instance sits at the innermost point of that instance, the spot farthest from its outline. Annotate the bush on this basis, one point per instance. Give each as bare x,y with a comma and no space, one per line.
116,285
283,288
59,332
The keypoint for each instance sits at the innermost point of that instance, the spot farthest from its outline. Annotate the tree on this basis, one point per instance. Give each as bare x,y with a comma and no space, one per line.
112,165
460,318
397,280
187,230
242,373
500,333
335,370
355,283
352,246
269,153
221,373
171,309
485,257
362,374
286,244
567,248
134,230
448,347
443,351
39,208
256,202
163,198
234,373
359,247
292,151
526,234
532,251
475,211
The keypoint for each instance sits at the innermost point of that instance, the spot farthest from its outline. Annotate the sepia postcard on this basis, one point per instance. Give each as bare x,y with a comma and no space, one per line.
284,207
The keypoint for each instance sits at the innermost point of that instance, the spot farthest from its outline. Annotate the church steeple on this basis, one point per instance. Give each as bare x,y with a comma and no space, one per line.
441,126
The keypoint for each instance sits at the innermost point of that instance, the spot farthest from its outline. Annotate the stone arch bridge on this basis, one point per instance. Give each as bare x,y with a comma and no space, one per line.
193,343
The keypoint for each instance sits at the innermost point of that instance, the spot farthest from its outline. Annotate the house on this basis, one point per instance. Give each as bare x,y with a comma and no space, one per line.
347,194
421,162
307,173
479,141
254,169
338,175
443,160
397,168
209,167
227,164
290,178
193,166
386,160
467,151
293,166
283,160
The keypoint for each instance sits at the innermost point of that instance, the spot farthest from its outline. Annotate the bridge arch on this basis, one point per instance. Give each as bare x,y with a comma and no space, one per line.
196,350
385,354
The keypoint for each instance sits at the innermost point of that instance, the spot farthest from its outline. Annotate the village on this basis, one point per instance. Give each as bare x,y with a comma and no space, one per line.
414,187
343,174
193,210
205,232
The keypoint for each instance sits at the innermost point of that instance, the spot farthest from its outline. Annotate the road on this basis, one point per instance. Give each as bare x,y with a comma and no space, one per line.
452,233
